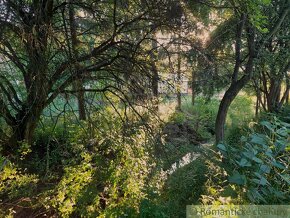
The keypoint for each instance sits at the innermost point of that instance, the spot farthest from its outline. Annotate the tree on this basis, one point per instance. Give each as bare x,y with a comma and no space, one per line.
247,24
42,60
271,78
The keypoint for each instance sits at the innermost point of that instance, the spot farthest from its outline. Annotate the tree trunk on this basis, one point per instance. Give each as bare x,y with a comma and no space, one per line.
24,127
155,77
226,101
257,106
273,98
178,91
154,80
236,84
78,84
193,87
24,131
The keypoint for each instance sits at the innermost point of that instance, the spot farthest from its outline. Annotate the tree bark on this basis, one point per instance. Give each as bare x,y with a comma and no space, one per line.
23,130
226,101
193,78
154,80
78,84
155,77
257,106
273,98
178,91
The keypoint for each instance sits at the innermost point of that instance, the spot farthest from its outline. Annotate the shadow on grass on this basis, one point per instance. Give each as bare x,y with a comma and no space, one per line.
183,187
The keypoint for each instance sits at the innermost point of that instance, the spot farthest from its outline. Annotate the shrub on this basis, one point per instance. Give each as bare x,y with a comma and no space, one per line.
14,183
261,165
108,177
234,134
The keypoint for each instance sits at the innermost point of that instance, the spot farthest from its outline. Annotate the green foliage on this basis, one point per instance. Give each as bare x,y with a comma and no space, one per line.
241,111
202,115
217,189
14,183
261,163
239,115
108,178
96,169
257,16
187,181
51,148
233,134
178,118
24,149
284,114
149,209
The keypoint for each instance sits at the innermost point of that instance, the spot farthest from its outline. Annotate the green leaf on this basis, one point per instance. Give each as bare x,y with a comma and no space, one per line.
229,192
268,125
244,163
280,145
249,154
258,175
244,139
285,124
265,169
258,139
237,178
269,153
282,131
266,2
222,147
254,195
278,165
286,178
257,160
261,181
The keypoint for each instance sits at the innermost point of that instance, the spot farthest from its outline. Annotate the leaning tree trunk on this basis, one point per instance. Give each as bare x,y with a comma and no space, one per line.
27,118
226,101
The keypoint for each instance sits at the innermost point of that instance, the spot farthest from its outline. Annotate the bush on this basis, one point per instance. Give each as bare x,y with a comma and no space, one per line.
284,114
97,168
234,134
261,165
16,184
108,177
239,115
51,150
